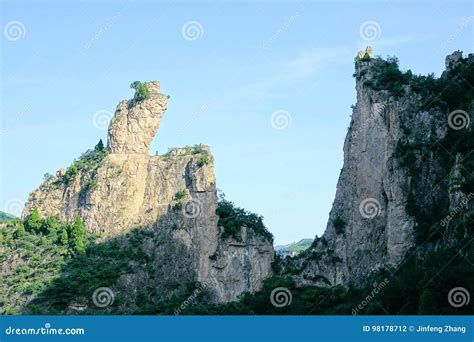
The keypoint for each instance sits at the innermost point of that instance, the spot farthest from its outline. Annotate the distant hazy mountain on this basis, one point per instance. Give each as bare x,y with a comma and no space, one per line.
294,248
5,216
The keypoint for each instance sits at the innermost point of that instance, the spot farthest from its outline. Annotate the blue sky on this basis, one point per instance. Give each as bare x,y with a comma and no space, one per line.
238,63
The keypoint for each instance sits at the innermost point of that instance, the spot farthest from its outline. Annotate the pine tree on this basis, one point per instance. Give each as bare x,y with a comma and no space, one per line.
100,146
77,236
34,222
64,238
50,225
20,231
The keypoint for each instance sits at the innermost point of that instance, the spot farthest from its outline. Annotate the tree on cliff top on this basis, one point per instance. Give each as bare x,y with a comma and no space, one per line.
141,91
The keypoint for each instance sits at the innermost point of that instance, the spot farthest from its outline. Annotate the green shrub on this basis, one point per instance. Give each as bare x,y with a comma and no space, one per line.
50,225
47,177
339,225
141,91
178,206
77,236
64,237
87,162
71,172
91,184
368,83
203,160
198,149
232,219
34,222
20,231
180,194
388,76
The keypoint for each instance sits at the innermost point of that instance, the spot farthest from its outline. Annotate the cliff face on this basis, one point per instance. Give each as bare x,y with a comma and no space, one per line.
174,195
397,168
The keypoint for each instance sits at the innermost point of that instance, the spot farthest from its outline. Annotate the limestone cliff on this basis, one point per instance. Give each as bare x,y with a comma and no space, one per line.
174,195
401,174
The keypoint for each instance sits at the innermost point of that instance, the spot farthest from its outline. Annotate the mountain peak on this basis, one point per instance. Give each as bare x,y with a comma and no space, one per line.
136,121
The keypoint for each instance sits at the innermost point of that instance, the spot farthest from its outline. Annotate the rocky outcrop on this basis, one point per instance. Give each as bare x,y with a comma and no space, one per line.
135,124
234,268
392,157
174,194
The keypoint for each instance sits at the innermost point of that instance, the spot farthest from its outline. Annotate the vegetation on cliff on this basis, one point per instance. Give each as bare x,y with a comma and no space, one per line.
53,264
88,162
141,91
233,218
449,92
31,255
452,91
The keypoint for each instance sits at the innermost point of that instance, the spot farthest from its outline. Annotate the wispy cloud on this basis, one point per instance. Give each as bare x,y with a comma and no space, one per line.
307,63
396,41
303,66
